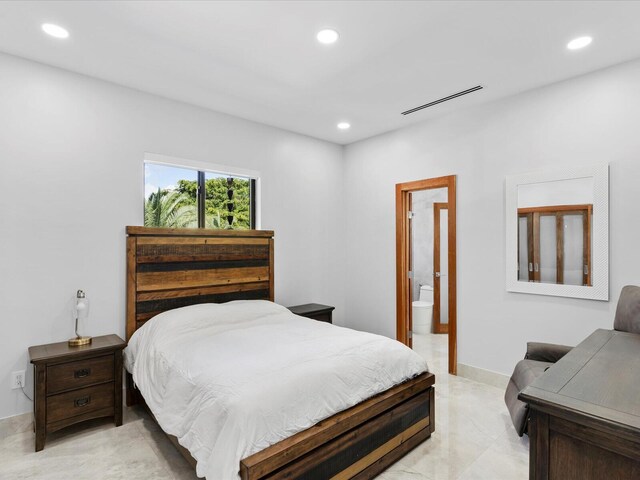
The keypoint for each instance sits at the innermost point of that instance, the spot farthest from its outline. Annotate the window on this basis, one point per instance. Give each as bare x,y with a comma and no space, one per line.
179,197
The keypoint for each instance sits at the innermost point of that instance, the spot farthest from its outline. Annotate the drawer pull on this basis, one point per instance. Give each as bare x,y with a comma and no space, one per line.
81,402
83,372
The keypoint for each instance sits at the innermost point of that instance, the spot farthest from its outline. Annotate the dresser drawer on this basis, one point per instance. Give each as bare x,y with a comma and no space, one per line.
79,402
81,373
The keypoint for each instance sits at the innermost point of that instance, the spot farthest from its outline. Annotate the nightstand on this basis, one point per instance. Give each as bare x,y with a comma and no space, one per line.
74,384
314,310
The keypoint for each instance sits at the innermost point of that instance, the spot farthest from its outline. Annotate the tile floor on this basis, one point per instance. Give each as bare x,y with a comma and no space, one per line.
474,437
473,440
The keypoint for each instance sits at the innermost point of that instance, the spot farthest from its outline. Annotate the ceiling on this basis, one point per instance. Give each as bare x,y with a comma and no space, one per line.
260,60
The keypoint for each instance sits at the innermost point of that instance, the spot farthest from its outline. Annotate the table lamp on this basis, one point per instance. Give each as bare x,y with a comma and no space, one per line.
81,313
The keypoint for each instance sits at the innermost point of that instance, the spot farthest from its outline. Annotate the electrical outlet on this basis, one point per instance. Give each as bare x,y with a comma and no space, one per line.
17,379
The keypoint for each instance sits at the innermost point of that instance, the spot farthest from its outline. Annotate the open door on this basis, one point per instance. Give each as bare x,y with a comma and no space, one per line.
440,268
410,272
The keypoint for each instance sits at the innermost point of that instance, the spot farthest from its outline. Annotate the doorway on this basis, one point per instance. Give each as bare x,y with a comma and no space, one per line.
437,279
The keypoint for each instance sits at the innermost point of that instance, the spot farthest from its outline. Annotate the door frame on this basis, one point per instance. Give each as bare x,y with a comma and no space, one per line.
403,255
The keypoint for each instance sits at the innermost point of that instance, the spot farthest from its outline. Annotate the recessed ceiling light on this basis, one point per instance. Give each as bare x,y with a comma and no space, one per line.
327,36
344,125
578,43
55,30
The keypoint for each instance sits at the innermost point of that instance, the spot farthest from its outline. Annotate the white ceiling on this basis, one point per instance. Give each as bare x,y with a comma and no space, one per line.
260,60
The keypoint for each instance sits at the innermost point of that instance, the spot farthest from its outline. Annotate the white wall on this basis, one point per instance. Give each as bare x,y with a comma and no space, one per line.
584,121
71,179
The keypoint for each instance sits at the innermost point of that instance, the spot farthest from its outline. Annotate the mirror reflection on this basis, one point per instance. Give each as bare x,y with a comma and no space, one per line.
554,231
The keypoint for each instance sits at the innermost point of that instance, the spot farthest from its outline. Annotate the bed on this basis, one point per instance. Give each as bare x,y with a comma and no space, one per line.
177,277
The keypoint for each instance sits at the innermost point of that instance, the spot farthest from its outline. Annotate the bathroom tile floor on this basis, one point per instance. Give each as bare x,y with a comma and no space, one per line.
473,440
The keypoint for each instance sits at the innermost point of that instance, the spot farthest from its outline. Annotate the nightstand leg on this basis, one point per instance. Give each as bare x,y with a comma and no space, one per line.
117,413
39,406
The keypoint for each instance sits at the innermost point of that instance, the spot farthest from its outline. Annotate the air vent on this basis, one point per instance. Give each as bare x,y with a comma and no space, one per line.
443,99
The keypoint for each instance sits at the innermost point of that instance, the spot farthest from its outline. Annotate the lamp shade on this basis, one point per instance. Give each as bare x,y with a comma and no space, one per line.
82,306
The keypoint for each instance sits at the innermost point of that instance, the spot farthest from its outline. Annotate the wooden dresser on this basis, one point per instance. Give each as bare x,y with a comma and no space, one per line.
585,412
316,311
74,384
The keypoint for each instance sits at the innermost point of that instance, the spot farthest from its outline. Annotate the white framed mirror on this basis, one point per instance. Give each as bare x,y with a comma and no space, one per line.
557,233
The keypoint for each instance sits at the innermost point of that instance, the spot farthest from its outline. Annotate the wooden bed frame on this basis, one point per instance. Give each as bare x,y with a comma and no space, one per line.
171,268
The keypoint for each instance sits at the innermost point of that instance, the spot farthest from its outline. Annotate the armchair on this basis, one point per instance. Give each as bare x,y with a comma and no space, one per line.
541,356
546,352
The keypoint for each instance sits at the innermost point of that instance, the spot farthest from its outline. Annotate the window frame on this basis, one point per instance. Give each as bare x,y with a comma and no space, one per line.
202,168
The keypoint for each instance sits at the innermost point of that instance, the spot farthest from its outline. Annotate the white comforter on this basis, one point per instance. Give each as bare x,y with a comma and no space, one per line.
231,379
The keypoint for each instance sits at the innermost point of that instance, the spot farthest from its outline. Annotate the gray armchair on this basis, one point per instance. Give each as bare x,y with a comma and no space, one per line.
540,356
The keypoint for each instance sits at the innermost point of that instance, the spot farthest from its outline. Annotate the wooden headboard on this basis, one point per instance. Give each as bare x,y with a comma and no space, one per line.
171,268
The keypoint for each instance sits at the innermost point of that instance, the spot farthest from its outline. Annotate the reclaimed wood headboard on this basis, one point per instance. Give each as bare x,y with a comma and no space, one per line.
170,268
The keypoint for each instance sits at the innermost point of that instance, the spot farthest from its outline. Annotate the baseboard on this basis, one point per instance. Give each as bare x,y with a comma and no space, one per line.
481,375
16,424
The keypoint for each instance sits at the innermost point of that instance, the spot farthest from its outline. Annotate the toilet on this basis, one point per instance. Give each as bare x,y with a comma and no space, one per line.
423,311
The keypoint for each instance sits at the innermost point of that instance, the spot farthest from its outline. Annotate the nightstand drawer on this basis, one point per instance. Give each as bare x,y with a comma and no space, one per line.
79,402
322,317
79,374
